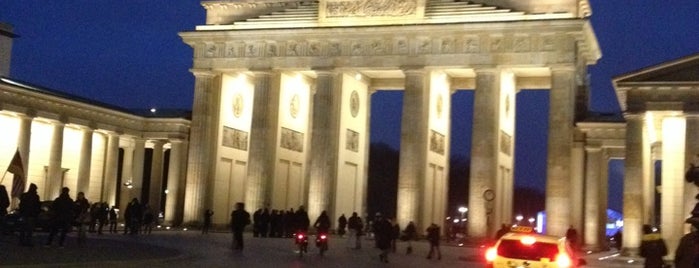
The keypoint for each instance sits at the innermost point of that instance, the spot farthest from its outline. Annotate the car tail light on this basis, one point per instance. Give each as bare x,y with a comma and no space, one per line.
563,260
528,240
490,254
300,236
323,237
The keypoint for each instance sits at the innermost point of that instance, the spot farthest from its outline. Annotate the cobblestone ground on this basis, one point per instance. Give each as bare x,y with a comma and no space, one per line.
192,249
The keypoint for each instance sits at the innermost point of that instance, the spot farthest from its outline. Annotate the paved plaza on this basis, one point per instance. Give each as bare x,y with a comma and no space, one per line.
192,249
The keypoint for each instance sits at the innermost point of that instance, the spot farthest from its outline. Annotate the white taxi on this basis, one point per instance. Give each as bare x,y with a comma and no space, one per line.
522,247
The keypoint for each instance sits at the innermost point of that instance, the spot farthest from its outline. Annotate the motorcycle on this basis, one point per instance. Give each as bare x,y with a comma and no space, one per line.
322,242
301,241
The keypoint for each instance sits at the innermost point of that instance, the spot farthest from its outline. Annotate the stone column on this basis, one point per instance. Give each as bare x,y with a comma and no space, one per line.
136,190
54,182
672,185
633,192
691,156
324,141
413,146
560,142
85,163
111,165
175,185
483,154
156,177
263,137
203,138
577,184
126,177
592,202
23,143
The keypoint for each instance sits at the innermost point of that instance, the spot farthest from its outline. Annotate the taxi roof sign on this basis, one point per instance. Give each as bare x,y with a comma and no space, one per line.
522,229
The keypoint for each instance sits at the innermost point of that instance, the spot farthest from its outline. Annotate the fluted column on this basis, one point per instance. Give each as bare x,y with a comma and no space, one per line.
156,176
111,166
126,177
593,211
136,190
324,141
263,136
175,184
673,183
85,163
54,181
203,139
633,192
691,156
483,153
413,146
23,143
560,142
577,184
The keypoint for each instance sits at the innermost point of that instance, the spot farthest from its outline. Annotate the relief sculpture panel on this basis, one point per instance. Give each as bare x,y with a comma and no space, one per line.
371,8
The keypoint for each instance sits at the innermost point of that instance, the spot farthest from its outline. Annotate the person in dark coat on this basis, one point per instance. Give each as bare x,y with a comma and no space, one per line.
102,216
301,220
132,217
113,218
29,209
383,233
433,238
355,227
652,248
395,234
687,252
502,231
341,225
256,222
207,221
410,234
63,208
322,223
4,202
239,219
82,216
265,218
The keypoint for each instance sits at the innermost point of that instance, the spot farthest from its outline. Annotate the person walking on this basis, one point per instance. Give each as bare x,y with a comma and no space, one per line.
687,252
341,225
410,234
652,248
395,234
29,209
4,204
433,238
355,227
64,210
132,217
207,221
383,233
322,223
239,219
102,216
301,220
148,219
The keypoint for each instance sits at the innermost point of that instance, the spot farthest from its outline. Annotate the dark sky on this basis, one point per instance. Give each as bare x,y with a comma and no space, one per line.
128,53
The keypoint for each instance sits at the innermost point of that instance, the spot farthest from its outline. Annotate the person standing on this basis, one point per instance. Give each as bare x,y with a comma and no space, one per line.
342,224
572,237
239,219
82,213
652,248
687,252
395,234
355,227
4,204
29,209
207,221
383,233
148,219
102,216
64,211
433,238
113,218
132,217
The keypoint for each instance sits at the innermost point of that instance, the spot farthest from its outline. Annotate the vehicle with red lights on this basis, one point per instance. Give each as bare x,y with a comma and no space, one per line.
524,248
322,242
301,240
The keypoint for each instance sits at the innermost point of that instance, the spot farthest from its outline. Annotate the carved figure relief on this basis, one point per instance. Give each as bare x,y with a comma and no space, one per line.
211,50
292,49
402,46
371,8
272,50
522,44
357,49
447,45
291,140
472,45
237,105
425,46
548,43
352,143
354,103
334,49
505,143
378,47
497,44
436,142
314,49
234,138
251,50
231,50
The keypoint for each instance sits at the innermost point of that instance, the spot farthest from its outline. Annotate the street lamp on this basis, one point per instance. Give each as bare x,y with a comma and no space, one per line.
463,210
531,221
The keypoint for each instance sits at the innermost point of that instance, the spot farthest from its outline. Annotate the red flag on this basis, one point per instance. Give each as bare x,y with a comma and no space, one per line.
17,169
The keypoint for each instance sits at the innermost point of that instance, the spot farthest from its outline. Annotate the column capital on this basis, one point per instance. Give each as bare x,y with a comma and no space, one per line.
262,72
325,71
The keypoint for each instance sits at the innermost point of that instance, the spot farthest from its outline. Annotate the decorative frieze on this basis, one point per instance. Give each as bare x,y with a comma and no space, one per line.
370,8
291,140
436,142
234,138
387,46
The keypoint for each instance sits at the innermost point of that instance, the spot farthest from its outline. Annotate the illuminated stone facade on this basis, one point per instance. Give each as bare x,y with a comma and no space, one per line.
316,64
